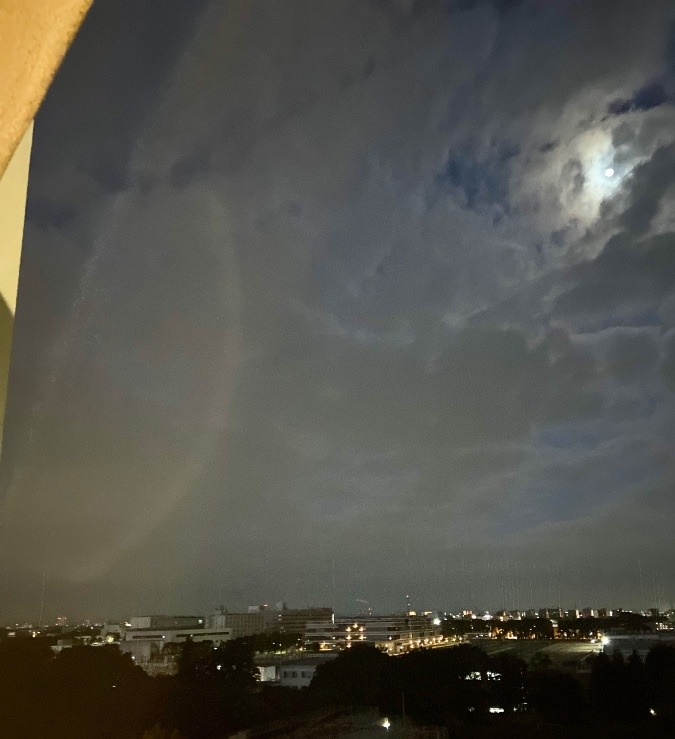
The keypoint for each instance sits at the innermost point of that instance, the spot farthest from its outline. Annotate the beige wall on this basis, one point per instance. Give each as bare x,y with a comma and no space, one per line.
34,36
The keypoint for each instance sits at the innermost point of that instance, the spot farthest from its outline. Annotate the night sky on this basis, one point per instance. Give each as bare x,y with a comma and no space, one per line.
329,301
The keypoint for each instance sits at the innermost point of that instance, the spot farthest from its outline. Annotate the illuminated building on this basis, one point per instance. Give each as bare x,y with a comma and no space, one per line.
393,633
294,620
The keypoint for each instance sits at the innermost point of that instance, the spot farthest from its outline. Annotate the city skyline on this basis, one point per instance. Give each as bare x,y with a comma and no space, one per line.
454,606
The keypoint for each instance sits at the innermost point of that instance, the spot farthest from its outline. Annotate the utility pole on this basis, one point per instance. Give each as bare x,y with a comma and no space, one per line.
642,589
42,599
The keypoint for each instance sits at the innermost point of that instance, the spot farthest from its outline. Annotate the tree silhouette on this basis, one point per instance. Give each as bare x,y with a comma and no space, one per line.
353,678
97,691
24,663
212,693
660,684
557,696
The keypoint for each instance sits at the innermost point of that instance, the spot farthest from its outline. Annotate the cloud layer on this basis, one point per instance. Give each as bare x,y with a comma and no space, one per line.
336,301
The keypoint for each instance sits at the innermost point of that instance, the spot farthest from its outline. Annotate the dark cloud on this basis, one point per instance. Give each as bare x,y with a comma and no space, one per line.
548,147
628,278
184,171
630,355
45,214
650,96
623,134
480,182
668,364
649,183
501,5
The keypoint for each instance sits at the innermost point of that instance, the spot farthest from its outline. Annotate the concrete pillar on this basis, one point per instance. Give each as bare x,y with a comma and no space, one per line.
13,187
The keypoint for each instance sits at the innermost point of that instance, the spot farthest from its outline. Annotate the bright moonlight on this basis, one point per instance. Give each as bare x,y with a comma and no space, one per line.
609,172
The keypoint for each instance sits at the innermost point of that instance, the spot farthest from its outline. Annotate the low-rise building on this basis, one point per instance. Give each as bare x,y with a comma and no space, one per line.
551,613
268,673
148,637
240,624
393,633
294,620
167,622
299,674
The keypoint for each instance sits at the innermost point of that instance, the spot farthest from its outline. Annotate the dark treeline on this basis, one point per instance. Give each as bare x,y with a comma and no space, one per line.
83,691
98,691
542,628
463,689
526,628
87,691
626,622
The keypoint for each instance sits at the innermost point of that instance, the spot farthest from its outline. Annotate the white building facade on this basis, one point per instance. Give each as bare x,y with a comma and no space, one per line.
148,636
300,673
240,624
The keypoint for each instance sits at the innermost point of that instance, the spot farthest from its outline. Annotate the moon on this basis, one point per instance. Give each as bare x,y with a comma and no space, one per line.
609,172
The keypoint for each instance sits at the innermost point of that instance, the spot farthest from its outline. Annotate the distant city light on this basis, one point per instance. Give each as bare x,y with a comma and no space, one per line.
386,723
605,641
